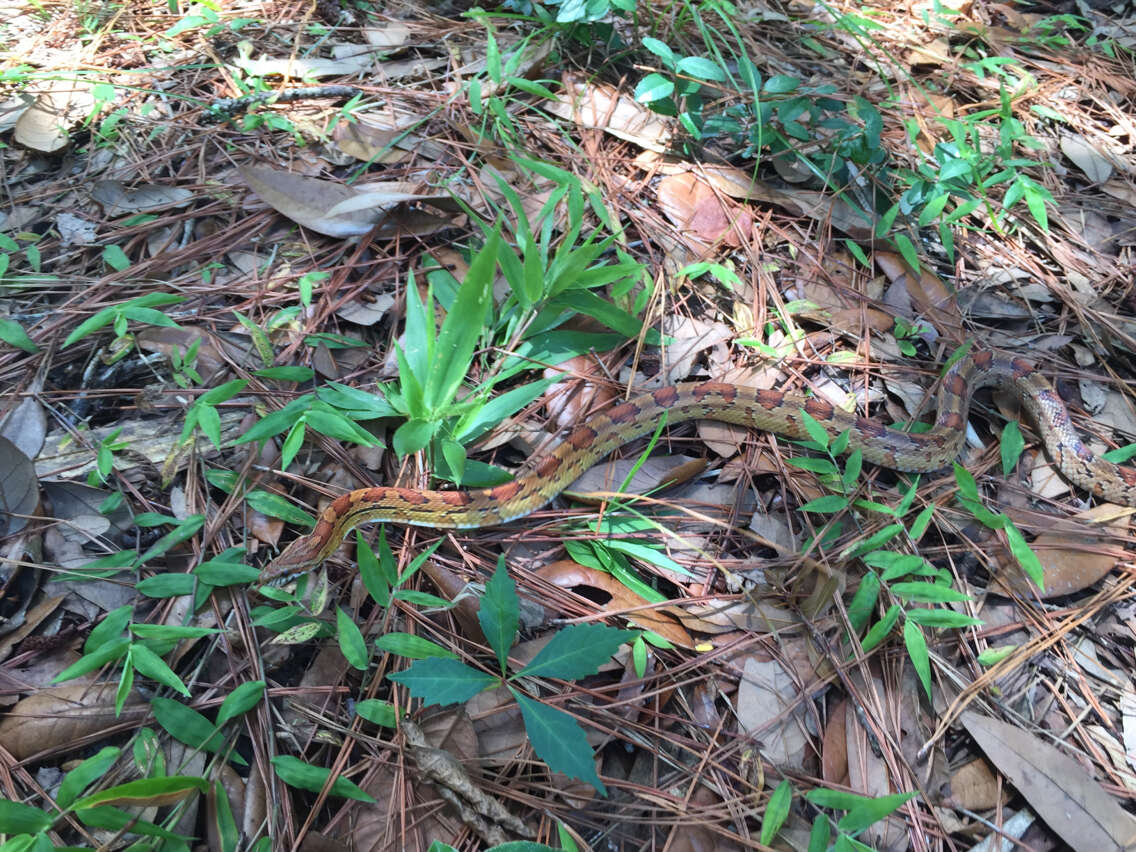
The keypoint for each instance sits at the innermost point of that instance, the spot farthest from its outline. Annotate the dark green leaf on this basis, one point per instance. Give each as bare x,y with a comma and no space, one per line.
275,506
498,613
155,668
916,644
1011,446
143,791
380,712
12,333
863,603
443,681
351,642
240,701
304,776
872,811
84,775
185,530
927,593
776,811
559,741
942,618
109,629
880,630
186,725
18,818
827,504
577,651
218,573
166,585
96,659
412,647
286,374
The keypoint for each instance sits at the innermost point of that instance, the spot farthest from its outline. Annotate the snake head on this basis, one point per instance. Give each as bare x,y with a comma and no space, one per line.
299,557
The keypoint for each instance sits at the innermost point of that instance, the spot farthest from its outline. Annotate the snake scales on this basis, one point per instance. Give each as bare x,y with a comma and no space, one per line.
770,410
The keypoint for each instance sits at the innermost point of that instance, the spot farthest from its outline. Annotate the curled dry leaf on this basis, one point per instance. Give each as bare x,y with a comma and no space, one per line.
300,68
310,201
604,108
702,214
58,718
572,575
46,125
117,200
19,489
26,427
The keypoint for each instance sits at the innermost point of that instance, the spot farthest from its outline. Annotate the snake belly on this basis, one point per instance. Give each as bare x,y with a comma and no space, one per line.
770,410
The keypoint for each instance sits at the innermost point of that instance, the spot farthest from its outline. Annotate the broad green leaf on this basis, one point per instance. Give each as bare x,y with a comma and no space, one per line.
700,67
443,681
109,629
1011,446
224,824
577,651
380,712
146,791
927,592
304,776
94,660
338,426
112,819
863,603
276,506
351,642
412,647
462,328
155,668
776,811
286,374
375,579
815,431
876,539
827,504
942,618
1024,554
186,725
880,630
240,701
412,436
654,87
499,612
170,632
12,333
18,818
559,741
83,776
872,811
166,585
916,644
218,573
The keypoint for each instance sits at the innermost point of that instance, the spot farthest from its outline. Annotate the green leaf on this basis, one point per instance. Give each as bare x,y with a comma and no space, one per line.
11,332
18,818
144,791
240,701
224,824
115,258
170,632
444,681
1011,446
577,651
462,328
185,530
499,612
700,67
83,776
215,572
863,602
1024,554
927,593
276,506
661,49
380,712
921,522
559,741
819,835
166,585
351,642
94,660
113,819
872,811
338,426
186,725
880,630
304,776
917,650
907,251
776,811
942,618
815,431
412,436
110,628
155,668
375,579
781,84
827,504
654,87
287,374
412,647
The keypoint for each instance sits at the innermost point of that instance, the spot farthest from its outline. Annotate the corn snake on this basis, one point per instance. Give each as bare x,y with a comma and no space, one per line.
769,410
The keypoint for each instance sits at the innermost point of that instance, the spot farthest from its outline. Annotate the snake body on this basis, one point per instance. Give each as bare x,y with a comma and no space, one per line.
770,410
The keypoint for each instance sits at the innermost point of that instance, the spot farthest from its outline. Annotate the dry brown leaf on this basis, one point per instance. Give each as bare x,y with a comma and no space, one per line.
1058,789
834,757
1071,559
26,426
19,489
117,200
300,67
572,575
61,716
602,107
974,786
46,125
1088,159
701,214
325,206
